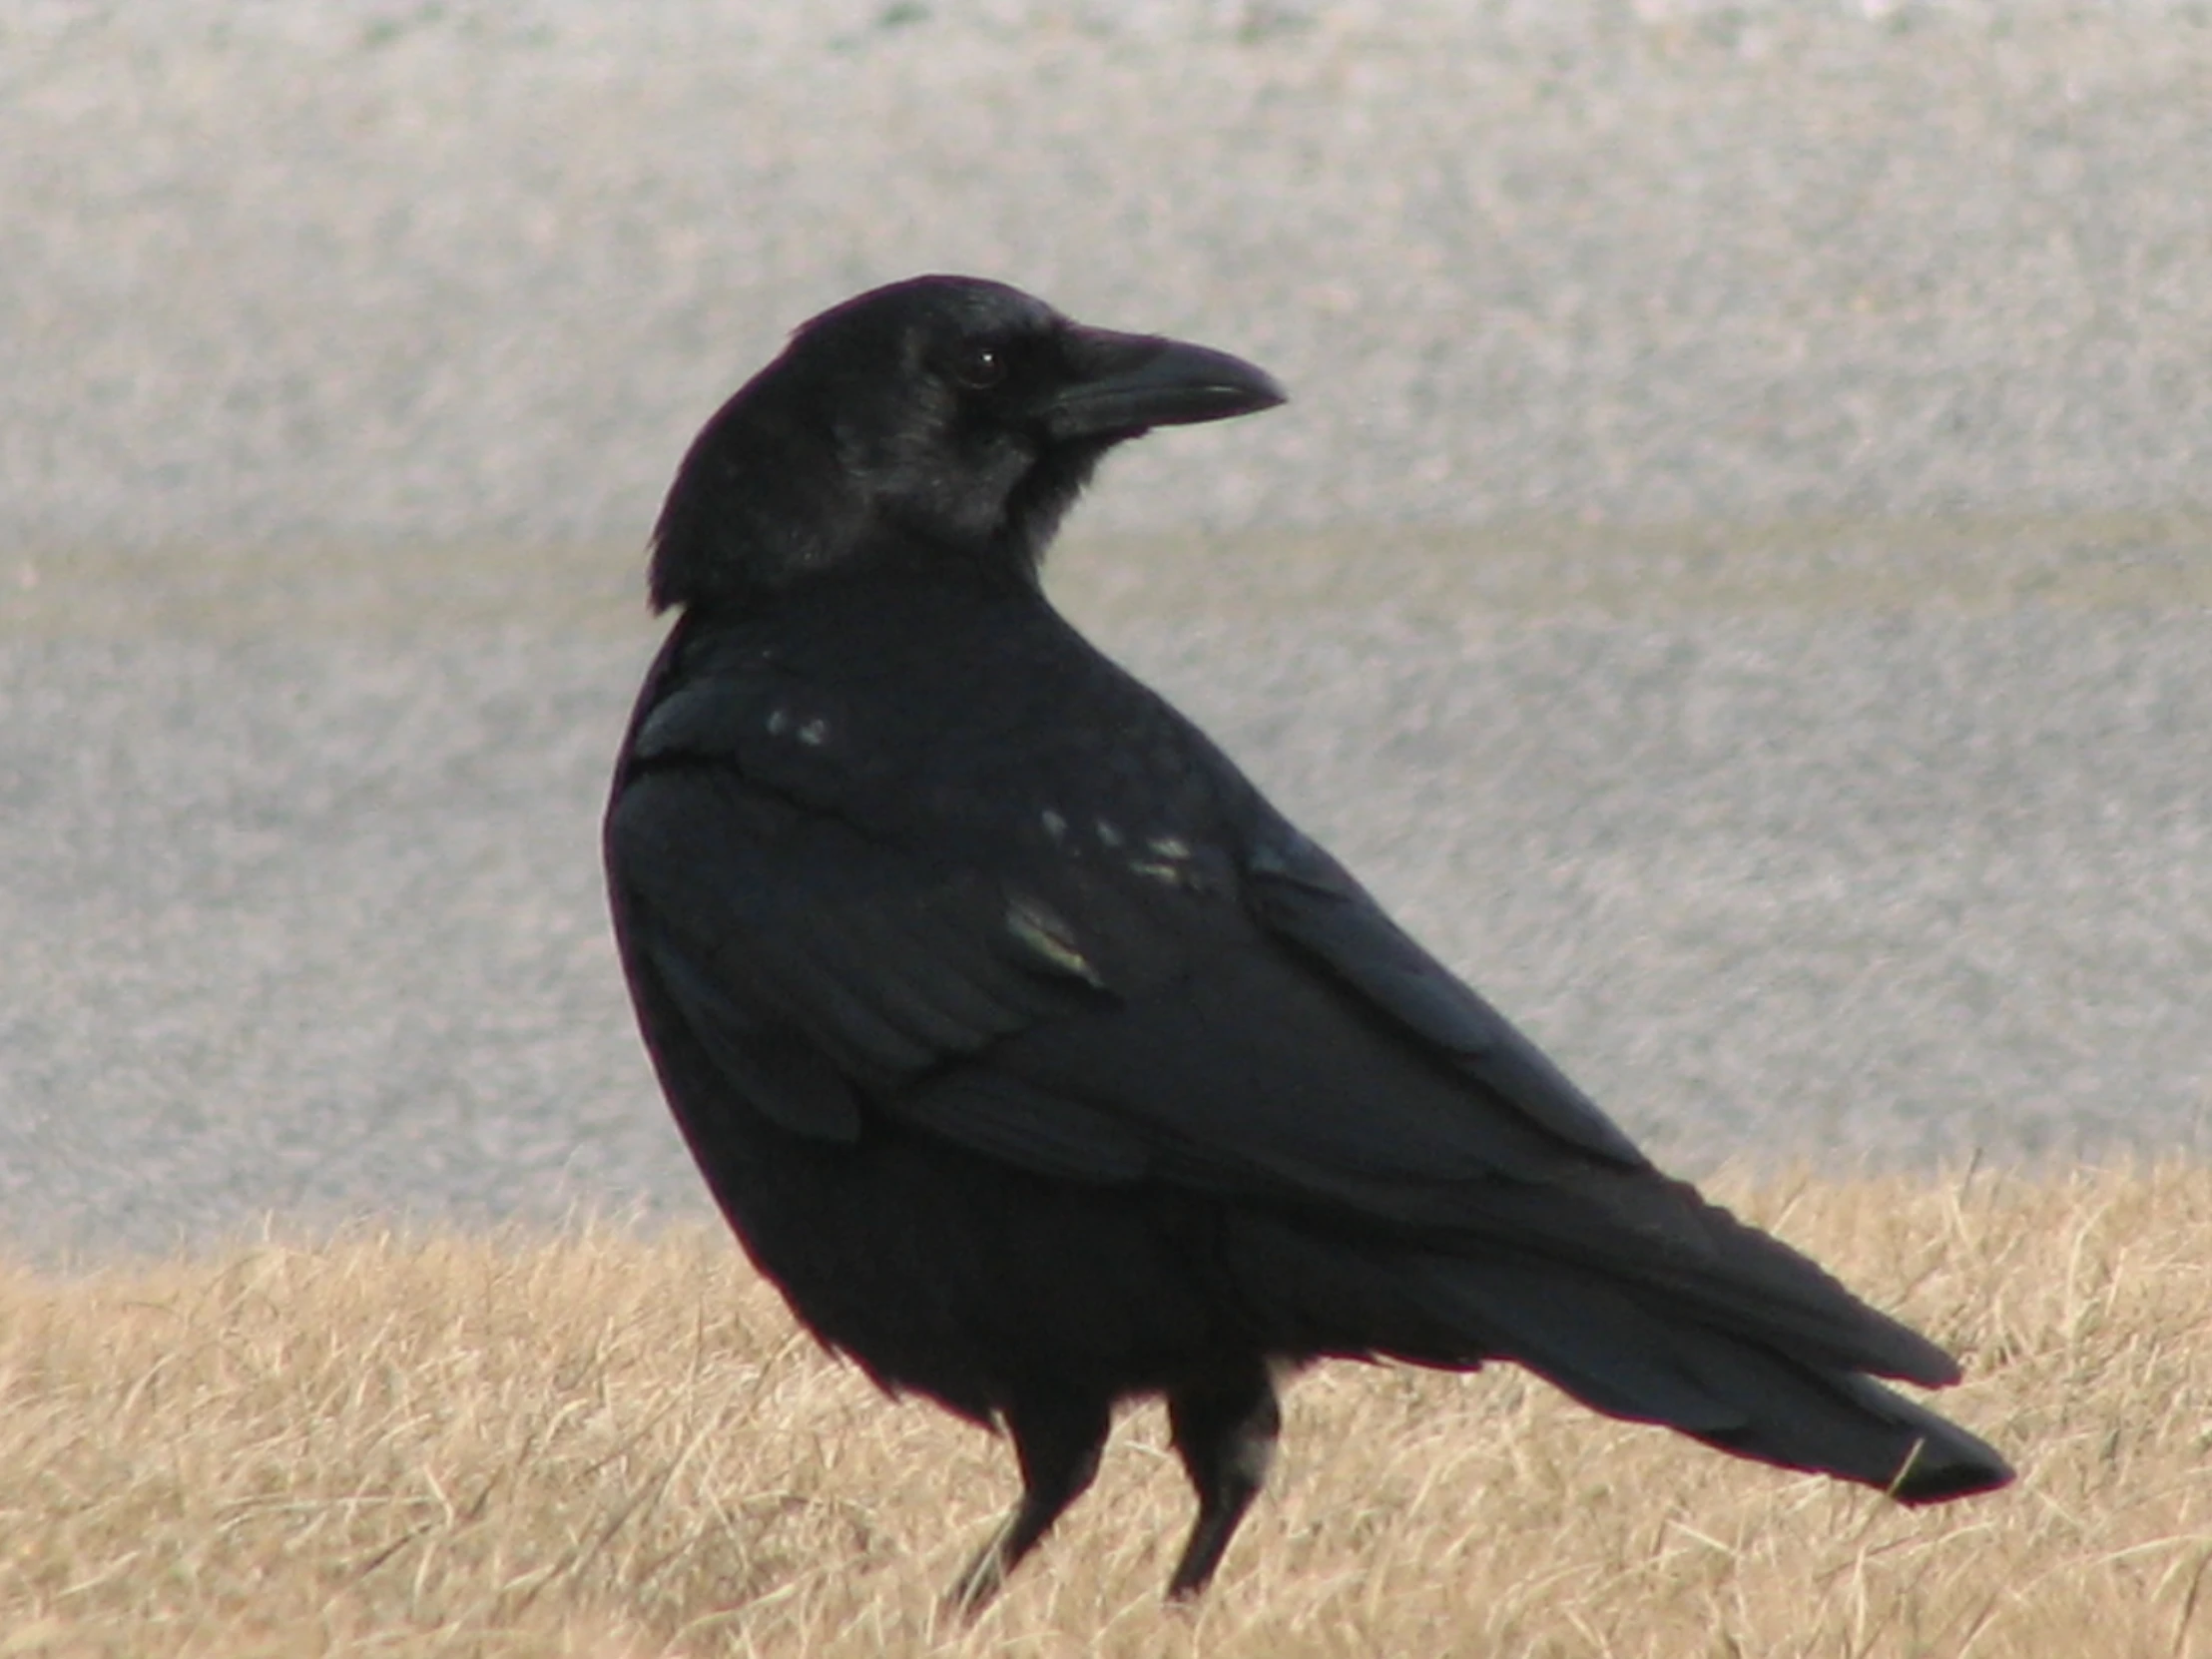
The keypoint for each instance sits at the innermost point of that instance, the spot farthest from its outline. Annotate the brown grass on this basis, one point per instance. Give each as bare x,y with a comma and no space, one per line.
612,1447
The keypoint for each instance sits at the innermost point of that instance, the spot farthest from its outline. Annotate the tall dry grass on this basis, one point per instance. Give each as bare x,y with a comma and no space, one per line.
614,1448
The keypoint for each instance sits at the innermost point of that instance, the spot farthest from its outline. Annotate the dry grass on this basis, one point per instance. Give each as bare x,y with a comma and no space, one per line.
612,1448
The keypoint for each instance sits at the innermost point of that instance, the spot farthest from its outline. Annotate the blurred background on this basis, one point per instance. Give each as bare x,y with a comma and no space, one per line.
1736,573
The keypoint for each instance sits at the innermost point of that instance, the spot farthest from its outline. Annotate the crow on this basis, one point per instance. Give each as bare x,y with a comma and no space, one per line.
1037,1059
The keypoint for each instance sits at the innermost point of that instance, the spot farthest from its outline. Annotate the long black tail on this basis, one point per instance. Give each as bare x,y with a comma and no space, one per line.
1695,1321
1634,1352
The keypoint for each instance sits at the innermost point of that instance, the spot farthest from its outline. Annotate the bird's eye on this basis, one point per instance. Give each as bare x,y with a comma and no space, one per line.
979,368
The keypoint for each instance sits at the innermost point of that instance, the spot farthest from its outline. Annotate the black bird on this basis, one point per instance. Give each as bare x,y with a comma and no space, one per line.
1036,1058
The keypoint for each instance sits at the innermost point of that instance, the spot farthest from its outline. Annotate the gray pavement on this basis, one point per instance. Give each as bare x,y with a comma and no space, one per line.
282,274
1737,575
304,915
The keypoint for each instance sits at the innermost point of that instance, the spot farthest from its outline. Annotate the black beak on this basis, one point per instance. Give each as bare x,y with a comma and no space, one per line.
1124,384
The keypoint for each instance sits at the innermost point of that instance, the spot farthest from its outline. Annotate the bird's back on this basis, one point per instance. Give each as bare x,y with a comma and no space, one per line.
960,735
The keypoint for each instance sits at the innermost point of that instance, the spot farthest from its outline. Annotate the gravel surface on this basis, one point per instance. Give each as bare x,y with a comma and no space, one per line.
305,911
282,274
1737,576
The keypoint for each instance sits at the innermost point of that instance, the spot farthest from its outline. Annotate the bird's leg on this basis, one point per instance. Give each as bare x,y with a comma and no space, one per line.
1224,1432
1058,1445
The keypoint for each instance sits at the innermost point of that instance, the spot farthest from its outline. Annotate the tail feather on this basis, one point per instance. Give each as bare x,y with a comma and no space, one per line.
1623,1352
1703,1262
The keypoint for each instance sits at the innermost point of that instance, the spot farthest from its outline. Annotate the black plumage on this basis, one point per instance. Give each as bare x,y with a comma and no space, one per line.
1036,1058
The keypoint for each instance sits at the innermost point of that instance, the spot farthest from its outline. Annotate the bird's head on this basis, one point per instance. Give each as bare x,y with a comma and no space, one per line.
942,422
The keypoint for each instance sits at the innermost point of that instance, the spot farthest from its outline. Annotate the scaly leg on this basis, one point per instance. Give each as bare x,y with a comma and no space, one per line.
1224,1432
1058,1442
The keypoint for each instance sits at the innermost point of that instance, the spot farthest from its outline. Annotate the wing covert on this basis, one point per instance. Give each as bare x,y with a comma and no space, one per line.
778,930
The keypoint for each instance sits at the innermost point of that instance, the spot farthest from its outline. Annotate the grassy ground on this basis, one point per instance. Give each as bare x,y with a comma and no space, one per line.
612,1448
